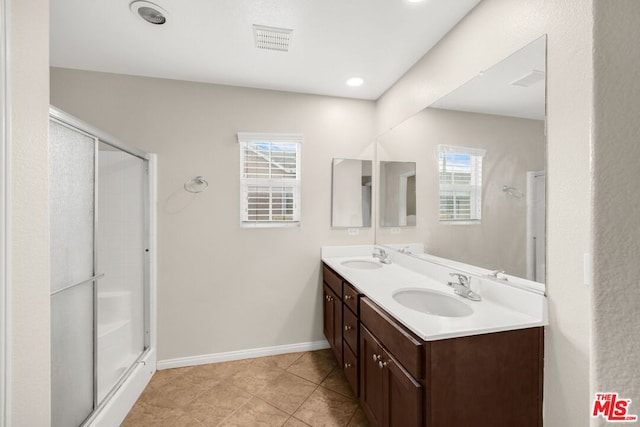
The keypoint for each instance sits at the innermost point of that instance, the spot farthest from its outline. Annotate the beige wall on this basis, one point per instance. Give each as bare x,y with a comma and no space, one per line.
514,146
616,201
29,85
221,287
492,31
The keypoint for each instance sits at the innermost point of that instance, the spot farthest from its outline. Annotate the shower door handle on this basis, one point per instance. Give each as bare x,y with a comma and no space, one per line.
73,285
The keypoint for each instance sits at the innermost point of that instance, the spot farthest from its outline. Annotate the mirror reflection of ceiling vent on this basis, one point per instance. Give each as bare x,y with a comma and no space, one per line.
272,38
529,79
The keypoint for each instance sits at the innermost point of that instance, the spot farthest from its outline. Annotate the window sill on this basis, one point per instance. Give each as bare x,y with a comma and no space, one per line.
465,222
274,224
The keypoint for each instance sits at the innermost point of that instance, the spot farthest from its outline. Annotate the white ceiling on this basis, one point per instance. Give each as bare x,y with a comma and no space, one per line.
212,41
492,92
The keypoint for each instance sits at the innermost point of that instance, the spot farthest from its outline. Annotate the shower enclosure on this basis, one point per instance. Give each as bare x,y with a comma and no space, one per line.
102,340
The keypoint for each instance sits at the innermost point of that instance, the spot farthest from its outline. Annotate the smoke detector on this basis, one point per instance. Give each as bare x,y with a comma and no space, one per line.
272,38
150,12
529,79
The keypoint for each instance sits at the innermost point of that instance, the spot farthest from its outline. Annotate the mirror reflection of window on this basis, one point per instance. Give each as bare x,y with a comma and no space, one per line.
460,170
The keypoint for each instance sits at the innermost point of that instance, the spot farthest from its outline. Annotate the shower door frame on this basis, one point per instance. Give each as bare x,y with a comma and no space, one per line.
119,400
5,223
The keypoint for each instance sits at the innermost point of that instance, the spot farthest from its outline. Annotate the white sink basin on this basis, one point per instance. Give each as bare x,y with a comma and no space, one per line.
432,302
362,264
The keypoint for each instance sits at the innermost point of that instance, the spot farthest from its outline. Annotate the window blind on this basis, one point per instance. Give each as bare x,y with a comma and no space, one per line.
269,179
460,171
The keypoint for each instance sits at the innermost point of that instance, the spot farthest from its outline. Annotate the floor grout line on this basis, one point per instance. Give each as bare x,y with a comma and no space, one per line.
303,402
235,410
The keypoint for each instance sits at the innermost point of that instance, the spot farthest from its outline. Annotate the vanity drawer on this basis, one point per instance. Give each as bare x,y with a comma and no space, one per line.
350,297
350,369
332,280
350,330
401,343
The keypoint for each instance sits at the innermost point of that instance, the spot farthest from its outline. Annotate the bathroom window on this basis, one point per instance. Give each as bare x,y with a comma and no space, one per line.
460,184
269,179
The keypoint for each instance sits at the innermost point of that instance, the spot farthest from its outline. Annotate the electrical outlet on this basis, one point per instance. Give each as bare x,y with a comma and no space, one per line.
353,231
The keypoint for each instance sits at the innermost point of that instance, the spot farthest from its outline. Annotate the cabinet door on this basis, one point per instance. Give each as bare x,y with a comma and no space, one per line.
332,321
402,395
371,391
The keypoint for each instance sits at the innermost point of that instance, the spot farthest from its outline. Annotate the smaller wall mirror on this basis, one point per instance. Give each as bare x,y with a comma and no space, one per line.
397,194
351,193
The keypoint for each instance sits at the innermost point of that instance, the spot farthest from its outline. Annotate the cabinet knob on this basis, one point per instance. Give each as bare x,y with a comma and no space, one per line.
347,365
376,357
347,328
347,297
382,364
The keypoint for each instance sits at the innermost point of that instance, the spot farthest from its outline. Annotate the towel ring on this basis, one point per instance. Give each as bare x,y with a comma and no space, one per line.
513,192
196,185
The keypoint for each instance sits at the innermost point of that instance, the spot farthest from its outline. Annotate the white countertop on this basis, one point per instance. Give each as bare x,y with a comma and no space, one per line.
502,307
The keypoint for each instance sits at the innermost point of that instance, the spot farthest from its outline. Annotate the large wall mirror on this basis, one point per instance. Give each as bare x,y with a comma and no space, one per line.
351,193
480,169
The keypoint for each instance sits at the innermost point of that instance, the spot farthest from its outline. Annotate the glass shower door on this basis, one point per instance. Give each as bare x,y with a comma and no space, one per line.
72,201
121,248
100,305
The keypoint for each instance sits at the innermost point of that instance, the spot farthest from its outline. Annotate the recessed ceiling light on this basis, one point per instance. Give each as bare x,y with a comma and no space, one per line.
150,12
415,1
355,81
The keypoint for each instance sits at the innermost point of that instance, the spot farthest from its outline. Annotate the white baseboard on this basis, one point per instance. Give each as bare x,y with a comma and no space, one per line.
204,359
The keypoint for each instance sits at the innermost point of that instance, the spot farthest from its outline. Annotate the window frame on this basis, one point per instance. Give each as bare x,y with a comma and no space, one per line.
474,188
246,138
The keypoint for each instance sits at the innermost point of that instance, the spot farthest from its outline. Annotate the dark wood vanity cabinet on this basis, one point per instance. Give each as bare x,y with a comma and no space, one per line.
332,321
341,309
390,395
493,379
488,380
350,334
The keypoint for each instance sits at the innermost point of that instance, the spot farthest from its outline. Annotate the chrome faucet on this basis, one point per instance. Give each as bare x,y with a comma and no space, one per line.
382,256
405,250
463,287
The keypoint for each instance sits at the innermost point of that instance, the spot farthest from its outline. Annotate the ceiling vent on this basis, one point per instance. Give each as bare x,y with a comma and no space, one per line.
271,38
529,79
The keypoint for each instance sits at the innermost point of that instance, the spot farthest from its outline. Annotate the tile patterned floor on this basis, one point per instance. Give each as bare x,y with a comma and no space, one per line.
290,390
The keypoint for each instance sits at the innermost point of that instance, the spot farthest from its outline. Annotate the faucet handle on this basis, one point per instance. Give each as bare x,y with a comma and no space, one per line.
495,274
464,280
381,253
